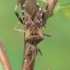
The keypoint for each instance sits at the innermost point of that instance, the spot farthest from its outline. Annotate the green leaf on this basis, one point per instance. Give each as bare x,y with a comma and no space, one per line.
64,7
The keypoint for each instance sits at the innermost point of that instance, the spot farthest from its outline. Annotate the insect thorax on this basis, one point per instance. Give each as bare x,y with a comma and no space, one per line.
33,26
33,29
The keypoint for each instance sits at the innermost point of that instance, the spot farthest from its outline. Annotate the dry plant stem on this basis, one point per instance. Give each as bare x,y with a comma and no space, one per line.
28,63
51,6
4,59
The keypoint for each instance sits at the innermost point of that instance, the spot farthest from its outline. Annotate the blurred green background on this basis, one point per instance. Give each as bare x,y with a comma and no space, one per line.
55,49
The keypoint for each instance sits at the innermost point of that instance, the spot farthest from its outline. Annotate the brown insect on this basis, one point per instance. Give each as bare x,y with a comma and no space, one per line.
33,19
32,16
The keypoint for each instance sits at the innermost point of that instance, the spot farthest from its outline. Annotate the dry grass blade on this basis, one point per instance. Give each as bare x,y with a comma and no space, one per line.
4,59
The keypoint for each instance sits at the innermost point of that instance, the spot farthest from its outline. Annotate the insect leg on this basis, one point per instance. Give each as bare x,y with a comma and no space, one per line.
49,35
42,62
18,30
16,13
39,50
